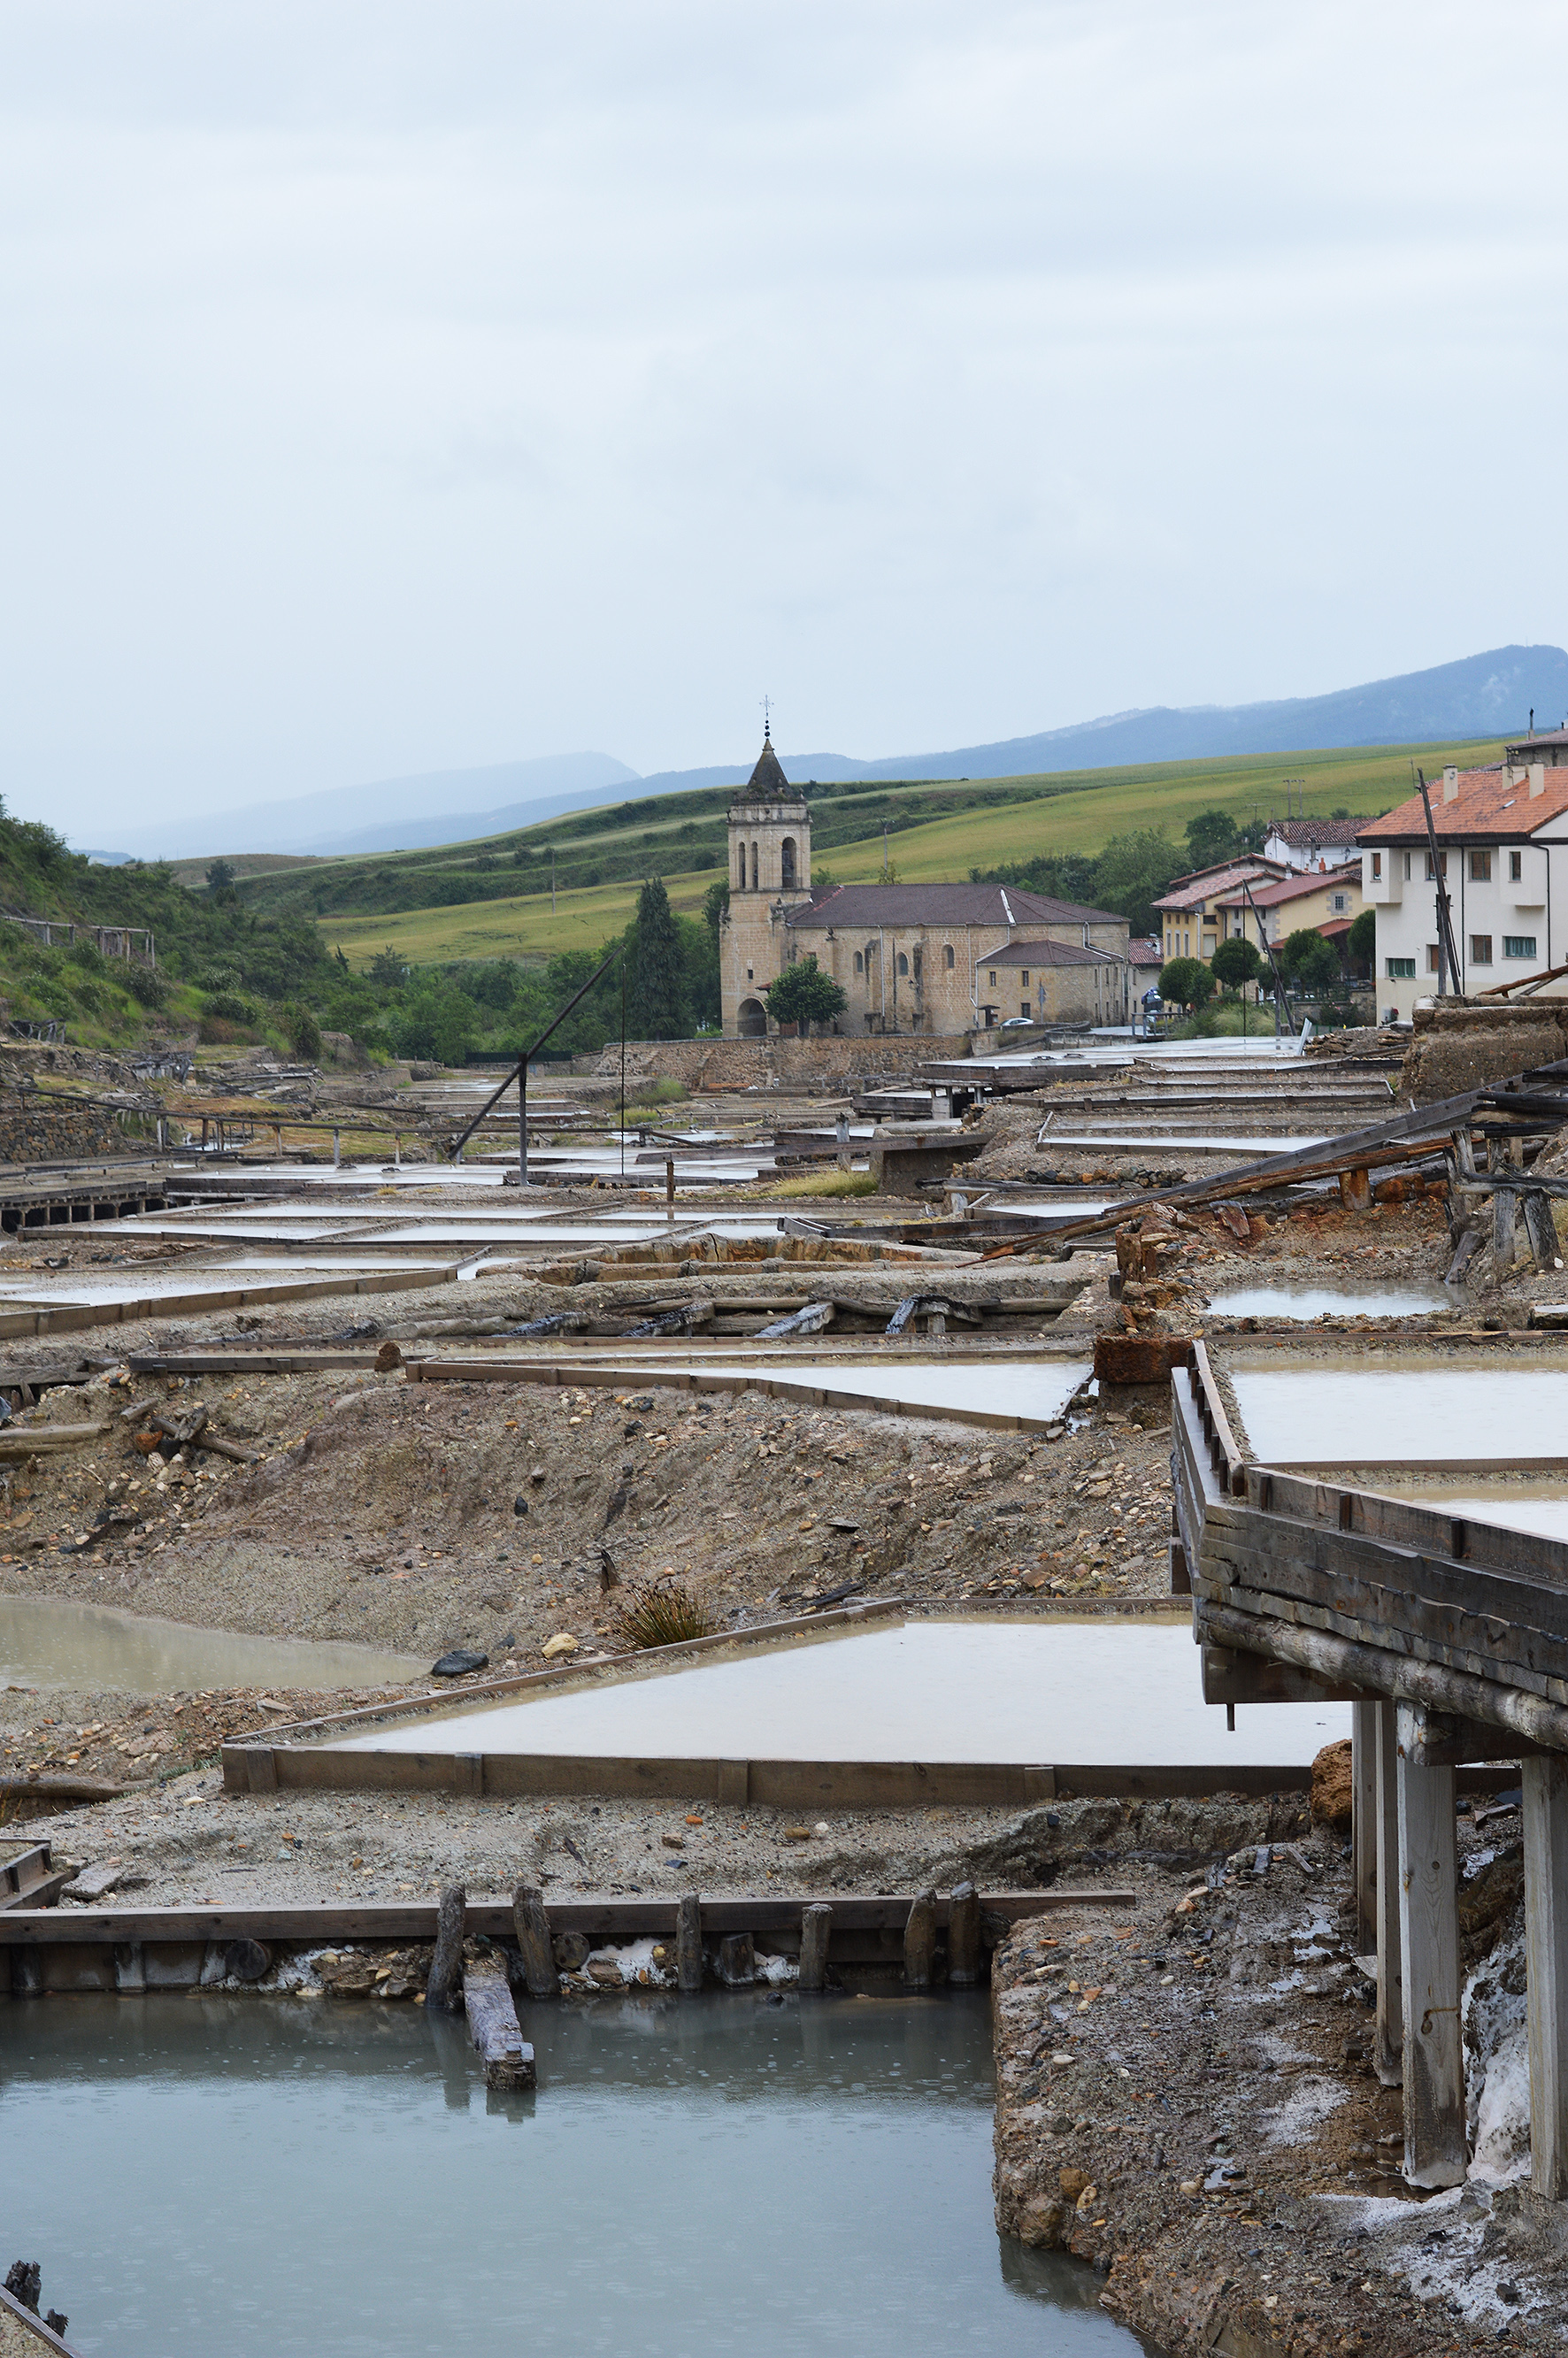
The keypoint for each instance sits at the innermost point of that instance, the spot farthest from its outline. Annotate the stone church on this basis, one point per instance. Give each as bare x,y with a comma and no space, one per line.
941,958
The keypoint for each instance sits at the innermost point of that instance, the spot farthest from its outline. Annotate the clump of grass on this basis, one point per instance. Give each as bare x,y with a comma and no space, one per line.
662,1613
651,1095
830,1183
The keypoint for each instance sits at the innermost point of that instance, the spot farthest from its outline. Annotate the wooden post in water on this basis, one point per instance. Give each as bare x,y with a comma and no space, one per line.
737,1959
919,1941
815,1926
447,1964
1391,1999
688,1942
963,1936
495,2028
1545,1782
1429,1941
1364,1823
534,1945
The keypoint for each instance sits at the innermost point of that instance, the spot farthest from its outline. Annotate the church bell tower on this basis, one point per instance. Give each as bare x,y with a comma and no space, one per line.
769,872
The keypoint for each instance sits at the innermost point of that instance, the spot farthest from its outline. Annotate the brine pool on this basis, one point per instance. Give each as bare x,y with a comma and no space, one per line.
796,2177
1294,1302
47,1641
1038,1692
1405,1411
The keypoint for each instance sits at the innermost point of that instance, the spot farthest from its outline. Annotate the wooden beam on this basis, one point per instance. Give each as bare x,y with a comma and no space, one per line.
1429,1940
815,1932
920,1940
1545,1813
1389,2058
493,2027
532,1926
1234,1677
1364,1823
447,1963
1436,1739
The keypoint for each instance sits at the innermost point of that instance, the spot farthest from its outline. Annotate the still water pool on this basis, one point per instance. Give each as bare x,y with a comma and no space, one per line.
725,2175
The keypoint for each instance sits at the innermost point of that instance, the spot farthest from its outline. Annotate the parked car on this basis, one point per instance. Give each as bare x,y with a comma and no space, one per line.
1017,1024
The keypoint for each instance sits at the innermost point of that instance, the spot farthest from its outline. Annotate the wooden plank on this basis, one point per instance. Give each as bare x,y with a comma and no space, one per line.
1364,1822
494,2026
1436,1739
1232,1678
1436,2151
1545,1813
1232,1468
1390,2059
603,1915
1401,1522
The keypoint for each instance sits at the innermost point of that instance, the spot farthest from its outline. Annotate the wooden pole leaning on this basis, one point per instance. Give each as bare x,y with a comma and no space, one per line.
1391,2002
1429,1940
1545,1811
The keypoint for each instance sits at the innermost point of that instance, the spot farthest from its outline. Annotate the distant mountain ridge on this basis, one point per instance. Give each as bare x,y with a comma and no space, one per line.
1487,694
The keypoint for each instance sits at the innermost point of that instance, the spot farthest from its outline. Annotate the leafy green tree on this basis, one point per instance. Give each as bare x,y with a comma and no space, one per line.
657,994
715,908
222,878
388,970
1236,962
1130,875
1309,962
1362,940
300,1028
1212,835
805,995
1186,982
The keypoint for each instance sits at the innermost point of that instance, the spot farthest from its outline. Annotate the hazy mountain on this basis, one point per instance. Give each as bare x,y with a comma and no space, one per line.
435,806
1481,695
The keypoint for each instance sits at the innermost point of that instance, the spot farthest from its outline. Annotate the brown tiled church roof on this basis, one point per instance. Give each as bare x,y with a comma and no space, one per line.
858,906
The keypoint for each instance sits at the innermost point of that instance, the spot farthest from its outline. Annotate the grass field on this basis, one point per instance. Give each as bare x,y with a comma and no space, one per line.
1076,813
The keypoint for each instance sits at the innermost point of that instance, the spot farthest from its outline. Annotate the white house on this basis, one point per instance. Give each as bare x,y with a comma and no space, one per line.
1502,839
1304,843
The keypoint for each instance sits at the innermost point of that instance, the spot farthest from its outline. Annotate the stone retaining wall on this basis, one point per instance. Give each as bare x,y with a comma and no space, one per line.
748,1063
40,1136
1458,1044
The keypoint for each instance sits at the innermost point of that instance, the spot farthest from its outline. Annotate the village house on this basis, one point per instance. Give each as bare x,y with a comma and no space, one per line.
940,958
1305,843
1329,901
1502,846
1195,912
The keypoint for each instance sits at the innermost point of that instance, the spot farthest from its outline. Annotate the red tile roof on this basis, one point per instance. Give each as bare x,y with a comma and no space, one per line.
1291,888
1210,883
1047,954
1316,834
1490,803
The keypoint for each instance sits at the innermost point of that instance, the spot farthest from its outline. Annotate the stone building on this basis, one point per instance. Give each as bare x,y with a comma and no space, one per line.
940,958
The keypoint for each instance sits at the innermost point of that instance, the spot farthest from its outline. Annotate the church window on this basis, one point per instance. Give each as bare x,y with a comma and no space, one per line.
859,963
787,859
753,868
743,868
903,963
947,956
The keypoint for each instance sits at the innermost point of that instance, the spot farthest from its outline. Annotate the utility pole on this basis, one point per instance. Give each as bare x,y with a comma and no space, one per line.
552,879
884,851
1447,955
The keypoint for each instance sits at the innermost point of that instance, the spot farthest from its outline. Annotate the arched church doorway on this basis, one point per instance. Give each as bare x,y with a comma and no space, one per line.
752,1020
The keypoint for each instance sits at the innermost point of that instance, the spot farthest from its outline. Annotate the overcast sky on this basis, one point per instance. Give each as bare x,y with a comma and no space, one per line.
390,387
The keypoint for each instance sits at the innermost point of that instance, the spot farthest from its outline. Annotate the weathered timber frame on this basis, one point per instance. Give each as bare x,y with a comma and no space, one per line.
1451,1636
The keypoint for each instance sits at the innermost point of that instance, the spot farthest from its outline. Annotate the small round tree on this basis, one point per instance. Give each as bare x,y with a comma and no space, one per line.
804,995
1186,982
1312,963
1236,962
1361,941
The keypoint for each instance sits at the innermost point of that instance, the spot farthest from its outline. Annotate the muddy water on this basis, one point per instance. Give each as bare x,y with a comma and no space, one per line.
800,2178
1401,1411
1330,1301
47,1641
1034,1692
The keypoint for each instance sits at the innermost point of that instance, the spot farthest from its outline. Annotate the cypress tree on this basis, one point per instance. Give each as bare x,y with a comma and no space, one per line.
659,992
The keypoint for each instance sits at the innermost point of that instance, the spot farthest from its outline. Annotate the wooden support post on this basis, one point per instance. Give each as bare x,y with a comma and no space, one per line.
1364,1823
534,1942
1391,1979
688,1942
1545,1784
495,2028
130,1969
447,1964
964,1935
1429,1941
816,1925
337,1149
920,1940
1505,1203
278,1141
1356,1190
1538,1226
737,1959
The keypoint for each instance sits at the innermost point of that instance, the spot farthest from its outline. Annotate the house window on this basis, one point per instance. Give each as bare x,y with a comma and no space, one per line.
1023,1007
1480,868
1407,867
1516,866
1441,870
1401,970
947,956
1480,949
1339,902
859,963
1519,945
1432,957
1376,867
1024,977
993,978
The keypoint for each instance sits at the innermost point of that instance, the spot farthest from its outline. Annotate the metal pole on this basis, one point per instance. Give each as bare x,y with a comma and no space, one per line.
623,1068
533,1049
523,1123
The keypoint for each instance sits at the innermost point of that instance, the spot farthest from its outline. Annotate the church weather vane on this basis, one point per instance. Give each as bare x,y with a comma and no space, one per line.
767,720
